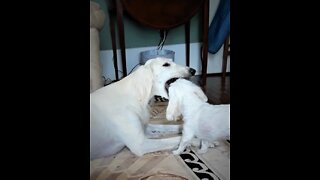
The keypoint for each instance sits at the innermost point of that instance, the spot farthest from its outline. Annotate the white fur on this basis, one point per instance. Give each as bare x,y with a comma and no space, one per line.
119,111
210,123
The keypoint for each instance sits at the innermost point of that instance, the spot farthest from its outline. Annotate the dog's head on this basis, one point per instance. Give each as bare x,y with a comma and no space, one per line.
183,93
164,70
182,87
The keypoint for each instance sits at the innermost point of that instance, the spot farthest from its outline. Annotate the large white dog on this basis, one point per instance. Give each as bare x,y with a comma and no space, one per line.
119,111
209,123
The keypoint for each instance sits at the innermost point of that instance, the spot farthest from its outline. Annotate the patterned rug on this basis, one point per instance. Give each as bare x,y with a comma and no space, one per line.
213,165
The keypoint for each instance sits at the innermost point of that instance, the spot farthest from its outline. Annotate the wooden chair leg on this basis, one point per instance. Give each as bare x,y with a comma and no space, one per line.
225,57
121,36
187,33
205,18
114,45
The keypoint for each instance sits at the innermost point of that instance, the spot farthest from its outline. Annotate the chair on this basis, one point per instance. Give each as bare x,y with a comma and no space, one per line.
161,15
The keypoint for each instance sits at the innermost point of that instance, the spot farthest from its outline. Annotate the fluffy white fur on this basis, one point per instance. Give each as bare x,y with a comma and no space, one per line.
119,111
210,123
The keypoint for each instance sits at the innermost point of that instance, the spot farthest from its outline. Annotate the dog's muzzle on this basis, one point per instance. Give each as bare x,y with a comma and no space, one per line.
167,84
172,80
192,71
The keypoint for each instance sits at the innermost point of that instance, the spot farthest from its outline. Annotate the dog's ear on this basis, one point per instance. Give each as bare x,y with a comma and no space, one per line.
198,91
173,109
147,63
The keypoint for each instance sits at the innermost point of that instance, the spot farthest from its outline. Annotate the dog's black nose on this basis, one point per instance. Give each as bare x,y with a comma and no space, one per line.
192,71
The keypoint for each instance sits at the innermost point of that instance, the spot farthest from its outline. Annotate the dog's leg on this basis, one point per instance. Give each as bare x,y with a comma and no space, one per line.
152,145
187,136
132,135
204,147
196,142
172,111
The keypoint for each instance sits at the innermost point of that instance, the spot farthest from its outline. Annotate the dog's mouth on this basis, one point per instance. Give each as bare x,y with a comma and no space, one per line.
167,84
172,80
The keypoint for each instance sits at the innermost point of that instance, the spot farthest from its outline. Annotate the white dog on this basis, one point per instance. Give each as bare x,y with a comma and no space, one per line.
210,123
119,111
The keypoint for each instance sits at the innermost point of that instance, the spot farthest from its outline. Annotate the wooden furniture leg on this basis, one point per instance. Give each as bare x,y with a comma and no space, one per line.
205,41
114,45
187,34
121,37
225,57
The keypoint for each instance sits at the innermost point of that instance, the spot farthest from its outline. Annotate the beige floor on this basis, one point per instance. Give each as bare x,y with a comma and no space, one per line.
215,164
161,165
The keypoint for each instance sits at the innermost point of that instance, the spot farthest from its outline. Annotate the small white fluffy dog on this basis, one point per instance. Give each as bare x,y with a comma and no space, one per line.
209,123
119,111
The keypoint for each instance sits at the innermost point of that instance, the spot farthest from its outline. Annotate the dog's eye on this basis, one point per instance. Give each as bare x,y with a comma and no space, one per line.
166,64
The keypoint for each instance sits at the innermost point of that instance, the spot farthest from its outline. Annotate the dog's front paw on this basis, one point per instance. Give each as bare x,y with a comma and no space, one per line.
214,144
196,142
169,117
176,152
173,117
202,151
